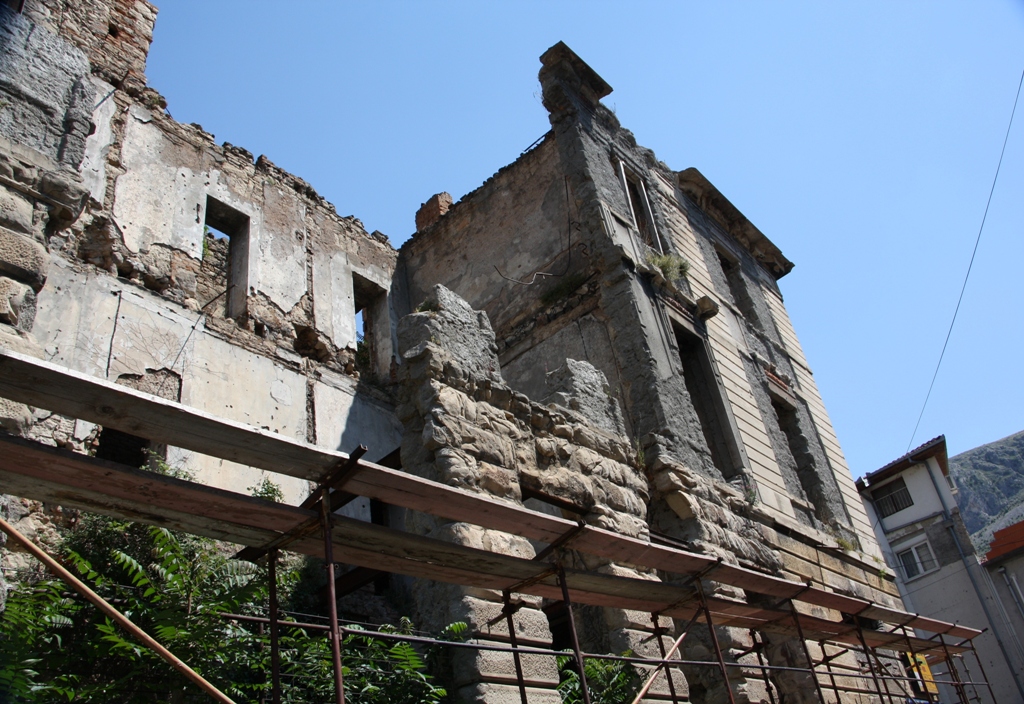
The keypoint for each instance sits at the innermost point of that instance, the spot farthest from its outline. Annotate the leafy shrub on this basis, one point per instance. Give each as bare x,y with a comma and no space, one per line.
56,647
608,681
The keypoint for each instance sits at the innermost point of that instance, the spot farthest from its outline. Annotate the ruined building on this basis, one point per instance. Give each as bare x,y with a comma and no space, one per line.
589,334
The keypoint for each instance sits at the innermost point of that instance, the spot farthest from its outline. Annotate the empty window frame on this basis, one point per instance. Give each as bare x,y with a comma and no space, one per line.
640,208
738,288
225,221
892,498
916,561
371,323
708,401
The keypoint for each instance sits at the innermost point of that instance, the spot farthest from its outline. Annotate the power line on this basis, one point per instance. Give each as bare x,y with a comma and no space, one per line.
970,265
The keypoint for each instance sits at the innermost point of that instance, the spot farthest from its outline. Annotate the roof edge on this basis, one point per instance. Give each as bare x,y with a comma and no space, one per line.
704,193
936,447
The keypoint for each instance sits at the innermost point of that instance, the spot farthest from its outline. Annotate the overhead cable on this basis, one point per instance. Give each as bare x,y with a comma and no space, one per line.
970,265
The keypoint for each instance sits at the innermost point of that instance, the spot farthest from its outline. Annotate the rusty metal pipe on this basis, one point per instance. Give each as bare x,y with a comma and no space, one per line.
114,614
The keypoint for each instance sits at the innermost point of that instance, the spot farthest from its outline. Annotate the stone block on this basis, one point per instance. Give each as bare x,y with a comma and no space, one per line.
492,693
470,666
23,259
582,387
15,417
17,304
15,211
19,342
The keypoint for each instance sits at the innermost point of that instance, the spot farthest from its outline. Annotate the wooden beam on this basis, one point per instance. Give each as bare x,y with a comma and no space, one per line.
61,390
45,473
58,389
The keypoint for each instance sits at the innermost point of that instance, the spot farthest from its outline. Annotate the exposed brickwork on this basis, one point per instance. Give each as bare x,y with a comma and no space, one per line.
431,211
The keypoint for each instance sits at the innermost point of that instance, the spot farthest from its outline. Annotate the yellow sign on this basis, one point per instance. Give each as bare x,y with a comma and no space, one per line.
920,669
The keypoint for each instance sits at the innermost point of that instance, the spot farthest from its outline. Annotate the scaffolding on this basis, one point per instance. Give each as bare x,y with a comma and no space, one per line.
49,474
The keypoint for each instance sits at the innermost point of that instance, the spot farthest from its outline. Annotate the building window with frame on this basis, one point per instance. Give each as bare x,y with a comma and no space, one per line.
640,208
892,498
917,560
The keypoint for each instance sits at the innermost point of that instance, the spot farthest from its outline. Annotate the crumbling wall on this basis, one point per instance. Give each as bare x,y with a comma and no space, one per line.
464,426
130,242
513,249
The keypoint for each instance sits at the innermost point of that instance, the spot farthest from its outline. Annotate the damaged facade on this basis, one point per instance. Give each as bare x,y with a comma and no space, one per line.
588,333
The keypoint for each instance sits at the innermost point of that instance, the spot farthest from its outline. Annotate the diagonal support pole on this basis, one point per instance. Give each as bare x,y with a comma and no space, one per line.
671,651
827,659
122,620
758,647
509,610
807,652
958,684
714,640
661,647
867,656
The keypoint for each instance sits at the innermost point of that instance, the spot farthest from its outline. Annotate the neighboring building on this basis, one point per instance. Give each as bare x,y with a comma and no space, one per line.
912,505
1004,563
636,302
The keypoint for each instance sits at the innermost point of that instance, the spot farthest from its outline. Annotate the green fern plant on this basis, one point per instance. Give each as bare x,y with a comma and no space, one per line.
608,681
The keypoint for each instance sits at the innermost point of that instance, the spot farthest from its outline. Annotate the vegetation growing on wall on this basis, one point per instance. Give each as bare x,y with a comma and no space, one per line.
674,267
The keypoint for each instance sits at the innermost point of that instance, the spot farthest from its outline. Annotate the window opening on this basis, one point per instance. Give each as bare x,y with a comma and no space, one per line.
917,560
796,441
738,288
706,396
224,222
892,498
370,303
640,208
123,448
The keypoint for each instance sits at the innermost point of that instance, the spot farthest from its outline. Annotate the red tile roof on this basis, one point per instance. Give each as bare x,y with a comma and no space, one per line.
1006,541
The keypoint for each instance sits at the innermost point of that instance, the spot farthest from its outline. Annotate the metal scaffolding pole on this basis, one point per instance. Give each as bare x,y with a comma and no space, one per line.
758,647
332,606
915,666
984,675
958,684
867,656
714,640
807,651
575,638
112,613
658,631
664,663
508,610
275,645
827,660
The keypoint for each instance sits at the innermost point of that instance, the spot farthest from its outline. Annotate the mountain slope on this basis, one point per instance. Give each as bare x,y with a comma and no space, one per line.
991,483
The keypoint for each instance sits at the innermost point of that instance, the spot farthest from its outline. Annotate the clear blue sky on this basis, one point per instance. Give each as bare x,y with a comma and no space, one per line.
860,137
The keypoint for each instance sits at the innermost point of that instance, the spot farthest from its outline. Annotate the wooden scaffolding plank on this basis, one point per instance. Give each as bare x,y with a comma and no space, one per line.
63,391
51,474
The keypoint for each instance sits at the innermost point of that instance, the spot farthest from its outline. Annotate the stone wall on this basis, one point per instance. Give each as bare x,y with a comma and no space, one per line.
464,426
132,245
